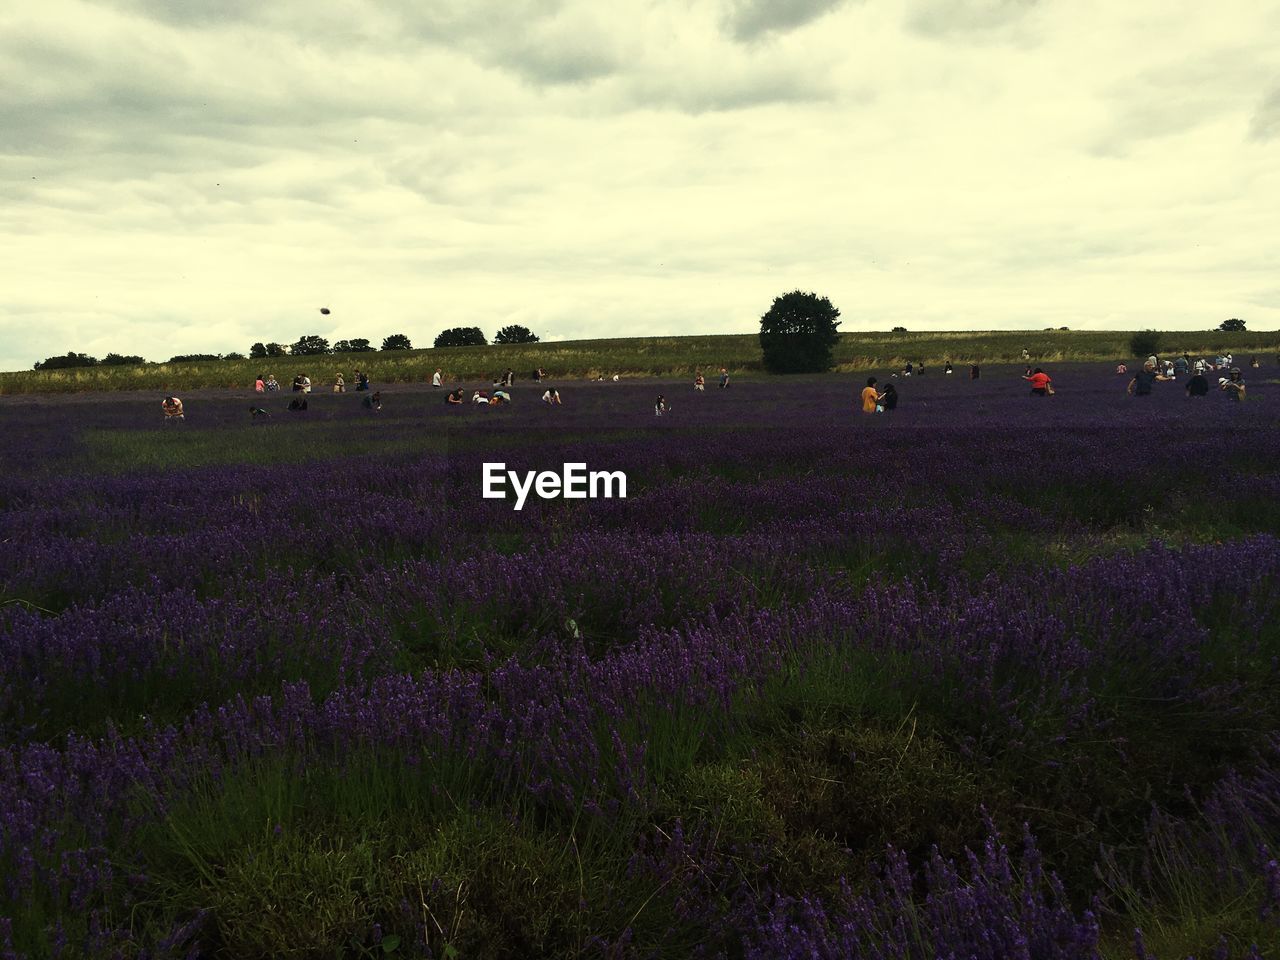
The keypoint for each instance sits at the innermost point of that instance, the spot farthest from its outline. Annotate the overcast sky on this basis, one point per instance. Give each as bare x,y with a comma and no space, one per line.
184,177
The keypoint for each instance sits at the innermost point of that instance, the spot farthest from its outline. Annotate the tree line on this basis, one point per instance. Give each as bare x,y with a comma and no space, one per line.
309,345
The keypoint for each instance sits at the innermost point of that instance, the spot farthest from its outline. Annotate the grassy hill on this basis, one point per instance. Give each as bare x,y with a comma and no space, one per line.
631,357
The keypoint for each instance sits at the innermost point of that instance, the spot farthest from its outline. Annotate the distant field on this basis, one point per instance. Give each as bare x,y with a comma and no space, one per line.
631,357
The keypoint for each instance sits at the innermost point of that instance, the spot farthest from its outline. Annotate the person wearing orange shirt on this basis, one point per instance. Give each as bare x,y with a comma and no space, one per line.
870,396
1040,383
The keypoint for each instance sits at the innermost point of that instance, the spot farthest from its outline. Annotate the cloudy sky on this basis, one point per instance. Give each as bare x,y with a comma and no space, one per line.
181,176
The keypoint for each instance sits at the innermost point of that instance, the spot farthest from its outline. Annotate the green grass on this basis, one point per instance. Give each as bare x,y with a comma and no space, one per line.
631,357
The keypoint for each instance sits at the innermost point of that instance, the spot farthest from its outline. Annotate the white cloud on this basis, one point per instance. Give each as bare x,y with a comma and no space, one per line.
181,178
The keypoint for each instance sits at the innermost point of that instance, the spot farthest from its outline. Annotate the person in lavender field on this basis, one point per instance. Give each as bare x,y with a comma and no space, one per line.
437,378
975,371
1140,385
660,406
173,412
700,383
551,397
455,397
1233,385
889,399
273,385
871,397
1198,386
724,378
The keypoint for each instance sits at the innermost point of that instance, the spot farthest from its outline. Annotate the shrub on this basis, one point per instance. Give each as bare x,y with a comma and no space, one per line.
1145,343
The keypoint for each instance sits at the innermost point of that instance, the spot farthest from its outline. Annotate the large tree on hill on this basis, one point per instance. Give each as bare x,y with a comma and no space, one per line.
309,346
461,337
1145,343
514,333
1234,325
116,360
798,332
397,341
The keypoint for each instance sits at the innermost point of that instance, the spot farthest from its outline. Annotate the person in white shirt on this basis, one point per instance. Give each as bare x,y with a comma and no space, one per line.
551,396
435,379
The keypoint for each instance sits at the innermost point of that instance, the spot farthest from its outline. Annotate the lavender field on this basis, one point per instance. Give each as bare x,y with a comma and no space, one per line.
991,676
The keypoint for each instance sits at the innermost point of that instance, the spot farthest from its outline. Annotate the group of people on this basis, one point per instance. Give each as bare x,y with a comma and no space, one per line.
875,400
1153,372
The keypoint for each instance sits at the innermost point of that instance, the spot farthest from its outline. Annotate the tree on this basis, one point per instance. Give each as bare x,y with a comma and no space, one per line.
194,357
515,334
67,362
1234,325
258,351
798,332
310,346
461,337
899,330
233,356
116,360
276,350
1145,343
358,345
397,341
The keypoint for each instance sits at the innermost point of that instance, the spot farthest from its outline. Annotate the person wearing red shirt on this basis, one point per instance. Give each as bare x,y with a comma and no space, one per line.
1040,383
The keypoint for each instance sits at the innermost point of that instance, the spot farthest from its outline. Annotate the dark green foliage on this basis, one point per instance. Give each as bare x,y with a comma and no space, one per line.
899,330
194,357
116,360
64,363
397,341
358,345
229,356
1234,325
514,333
310,346
258,351
1145,343
798,333
461,337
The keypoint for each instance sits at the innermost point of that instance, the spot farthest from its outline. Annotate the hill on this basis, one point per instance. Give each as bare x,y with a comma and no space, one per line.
632,357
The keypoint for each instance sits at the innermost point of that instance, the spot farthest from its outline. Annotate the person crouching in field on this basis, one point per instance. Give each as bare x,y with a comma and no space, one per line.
298,404
551,397
889,399
339,384
1198,386
871,397
455,397
373,401
172,407
700,382
1041,383
257,413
